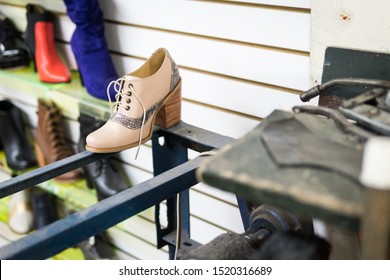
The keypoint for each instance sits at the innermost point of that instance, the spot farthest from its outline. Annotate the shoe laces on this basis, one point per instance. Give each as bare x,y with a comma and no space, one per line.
57,135
126,95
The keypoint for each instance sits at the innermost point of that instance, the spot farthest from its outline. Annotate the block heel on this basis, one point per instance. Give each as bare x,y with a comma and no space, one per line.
170,112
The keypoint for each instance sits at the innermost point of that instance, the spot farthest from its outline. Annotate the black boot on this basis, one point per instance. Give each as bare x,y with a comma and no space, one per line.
97,248
44,208
18,152
14,50
101,175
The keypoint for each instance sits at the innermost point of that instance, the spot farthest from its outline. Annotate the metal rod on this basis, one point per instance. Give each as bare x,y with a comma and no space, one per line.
340,120
190,136
196,138
318,89
39,175
79,226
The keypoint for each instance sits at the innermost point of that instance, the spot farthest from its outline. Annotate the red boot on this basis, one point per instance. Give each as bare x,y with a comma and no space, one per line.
40,38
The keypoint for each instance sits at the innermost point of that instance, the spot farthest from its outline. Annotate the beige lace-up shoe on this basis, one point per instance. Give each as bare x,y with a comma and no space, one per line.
150,95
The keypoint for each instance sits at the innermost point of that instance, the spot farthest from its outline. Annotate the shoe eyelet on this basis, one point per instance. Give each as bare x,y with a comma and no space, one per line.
127,108
130,85
128,100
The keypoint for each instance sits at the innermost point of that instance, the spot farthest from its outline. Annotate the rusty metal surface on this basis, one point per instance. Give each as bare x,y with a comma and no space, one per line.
330,101
342,63
371,117
339,119
246,168
344,83
364,97
290,143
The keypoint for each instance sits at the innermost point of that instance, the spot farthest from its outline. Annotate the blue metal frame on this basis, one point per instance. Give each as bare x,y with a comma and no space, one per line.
39,175
173,174
168,153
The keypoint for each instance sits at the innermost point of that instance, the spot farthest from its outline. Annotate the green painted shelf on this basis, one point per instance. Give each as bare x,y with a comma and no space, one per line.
23,84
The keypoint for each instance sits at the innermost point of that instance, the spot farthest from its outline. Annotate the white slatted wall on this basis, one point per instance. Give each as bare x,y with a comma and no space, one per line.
239,60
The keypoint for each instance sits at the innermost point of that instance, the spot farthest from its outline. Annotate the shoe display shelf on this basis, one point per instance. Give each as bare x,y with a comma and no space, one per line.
8,236
22,86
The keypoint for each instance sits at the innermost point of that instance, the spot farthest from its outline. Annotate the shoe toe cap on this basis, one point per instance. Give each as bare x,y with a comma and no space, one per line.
21,222
109,137
95,140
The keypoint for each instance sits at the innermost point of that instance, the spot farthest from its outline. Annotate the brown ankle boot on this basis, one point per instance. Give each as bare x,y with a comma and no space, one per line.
50,142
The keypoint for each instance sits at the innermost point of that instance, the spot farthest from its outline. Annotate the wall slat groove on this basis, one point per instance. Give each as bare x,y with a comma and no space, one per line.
243,43
288,5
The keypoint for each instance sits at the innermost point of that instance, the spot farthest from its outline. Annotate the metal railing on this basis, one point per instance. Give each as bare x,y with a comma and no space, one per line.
174,174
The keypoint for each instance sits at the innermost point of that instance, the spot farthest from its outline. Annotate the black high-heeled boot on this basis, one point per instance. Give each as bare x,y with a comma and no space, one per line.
14,50
18,152
97,248
44,208
101,175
